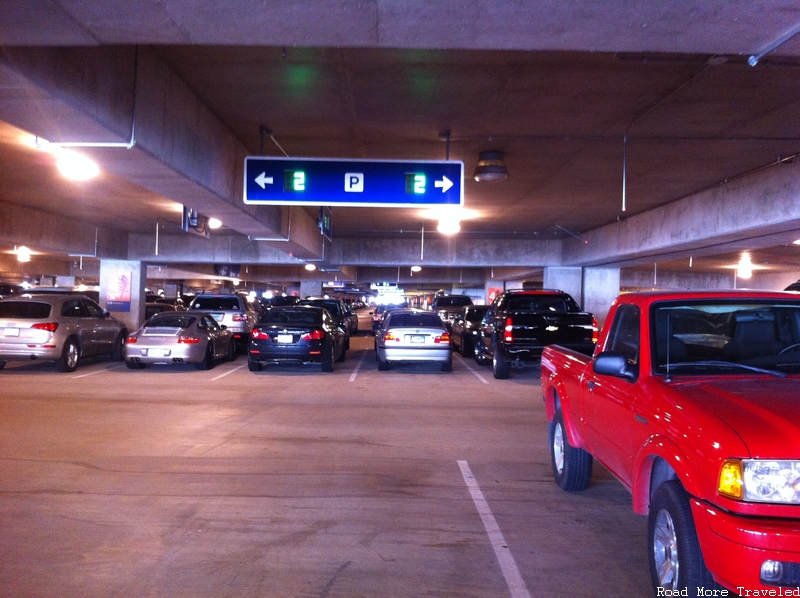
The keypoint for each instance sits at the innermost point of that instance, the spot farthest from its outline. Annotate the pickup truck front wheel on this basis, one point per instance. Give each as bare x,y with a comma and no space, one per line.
676,562
572,467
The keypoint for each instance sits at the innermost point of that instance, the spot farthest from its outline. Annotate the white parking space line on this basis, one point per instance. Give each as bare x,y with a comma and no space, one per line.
96,372
471,369
358,367
507,563
228,372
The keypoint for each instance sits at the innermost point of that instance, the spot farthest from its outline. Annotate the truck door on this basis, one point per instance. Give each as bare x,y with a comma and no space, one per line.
608,400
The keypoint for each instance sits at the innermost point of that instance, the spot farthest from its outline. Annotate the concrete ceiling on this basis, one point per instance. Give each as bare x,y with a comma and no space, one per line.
576,94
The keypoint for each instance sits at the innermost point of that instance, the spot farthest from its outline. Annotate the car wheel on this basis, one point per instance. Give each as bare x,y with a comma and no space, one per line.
572,467
134,365
327,357
501,367
447,366
676,562
208,359
119,347
478,352
383,365
347,343
254,366
2,364
231,355
68,361
341,357
464,349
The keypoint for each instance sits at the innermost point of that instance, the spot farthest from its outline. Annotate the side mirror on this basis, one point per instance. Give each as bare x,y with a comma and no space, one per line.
223,327
106,313
614,363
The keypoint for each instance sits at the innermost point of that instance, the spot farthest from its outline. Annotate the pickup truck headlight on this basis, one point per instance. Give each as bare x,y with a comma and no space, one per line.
759,480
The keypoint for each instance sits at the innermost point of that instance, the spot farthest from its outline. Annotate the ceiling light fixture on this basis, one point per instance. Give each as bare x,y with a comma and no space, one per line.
491,168
214,223
449,227
310,267
416,268
23,254
75,166
745,267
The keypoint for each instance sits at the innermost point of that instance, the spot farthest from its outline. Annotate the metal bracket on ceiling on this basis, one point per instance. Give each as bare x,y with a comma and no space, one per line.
755,58
445,136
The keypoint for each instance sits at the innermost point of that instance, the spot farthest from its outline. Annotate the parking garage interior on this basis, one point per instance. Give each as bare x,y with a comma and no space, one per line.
643,147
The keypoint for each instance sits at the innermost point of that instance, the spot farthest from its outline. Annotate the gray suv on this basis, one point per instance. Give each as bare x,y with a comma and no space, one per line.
232,311
60,328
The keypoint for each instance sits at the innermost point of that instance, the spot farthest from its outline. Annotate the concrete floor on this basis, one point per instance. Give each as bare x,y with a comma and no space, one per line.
290,482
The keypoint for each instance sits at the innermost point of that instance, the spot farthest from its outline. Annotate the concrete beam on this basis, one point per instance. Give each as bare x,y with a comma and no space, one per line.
441,251
692,26
751,212
49,232
182,150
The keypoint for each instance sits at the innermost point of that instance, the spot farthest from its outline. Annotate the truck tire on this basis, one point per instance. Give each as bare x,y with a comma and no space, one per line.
572,467
501,367
676,562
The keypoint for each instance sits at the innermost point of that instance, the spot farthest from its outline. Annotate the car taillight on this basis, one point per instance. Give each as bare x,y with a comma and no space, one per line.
239,318
131,339
257,334
390,337
445,338
188,340
49,326
315,335
595,331
508,336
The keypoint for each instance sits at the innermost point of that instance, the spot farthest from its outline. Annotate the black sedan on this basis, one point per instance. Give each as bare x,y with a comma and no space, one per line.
466,328
296,334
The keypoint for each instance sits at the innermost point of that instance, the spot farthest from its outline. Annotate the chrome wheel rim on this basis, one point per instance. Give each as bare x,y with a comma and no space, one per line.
665,551
558,448
72,356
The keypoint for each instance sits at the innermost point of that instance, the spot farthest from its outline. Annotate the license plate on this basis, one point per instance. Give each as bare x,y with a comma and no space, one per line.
11,332
284,338
156,352
417,338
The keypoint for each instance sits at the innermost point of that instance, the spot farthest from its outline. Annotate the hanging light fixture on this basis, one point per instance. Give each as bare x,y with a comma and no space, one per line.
491,167
23,254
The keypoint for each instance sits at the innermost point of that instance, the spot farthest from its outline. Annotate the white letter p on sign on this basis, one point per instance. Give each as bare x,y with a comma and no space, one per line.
354,182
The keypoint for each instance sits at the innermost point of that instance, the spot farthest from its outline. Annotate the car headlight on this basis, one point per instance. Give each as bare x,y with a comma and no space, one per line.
759,480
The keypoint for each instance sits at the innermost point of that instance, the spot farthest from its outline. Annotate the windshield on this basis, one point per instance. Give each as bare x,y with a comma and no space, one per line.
308,317
459,301
726,337
171,320
217,303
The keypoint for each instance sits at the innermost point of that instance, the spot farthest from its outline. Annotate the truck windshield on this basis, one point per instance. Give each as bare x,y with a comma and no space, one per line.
719,337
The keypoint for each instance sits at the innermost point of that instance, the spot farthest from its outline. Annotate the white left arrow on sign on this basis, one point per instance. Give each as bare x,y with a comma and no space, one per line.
263,180
445,184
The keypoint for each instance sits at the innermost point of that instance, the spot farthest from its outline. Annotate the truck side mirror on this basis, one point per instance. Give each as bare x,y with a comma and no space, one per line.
614,363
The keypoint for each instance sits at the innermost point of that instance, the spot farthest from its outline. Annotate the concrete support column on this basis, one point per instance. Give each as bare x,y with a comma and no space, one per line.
122,290
567,279
600,288
310,288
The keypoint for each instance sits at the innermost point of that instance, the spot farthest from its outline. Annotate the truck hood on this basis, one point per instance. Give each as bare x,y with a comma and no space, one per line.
764,412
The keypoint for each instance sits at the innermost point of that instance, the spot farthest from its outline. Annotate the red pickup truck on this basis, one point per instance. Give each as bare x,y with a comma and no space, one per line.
692,401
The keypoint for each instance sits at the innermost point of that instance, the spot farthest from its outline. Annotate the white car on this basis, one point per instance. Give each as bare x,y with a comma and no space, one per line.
413,335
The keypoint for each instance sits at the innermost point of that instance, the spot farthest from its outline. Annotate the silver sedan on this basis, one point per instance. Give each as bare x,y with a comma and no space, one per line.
413,335
180,337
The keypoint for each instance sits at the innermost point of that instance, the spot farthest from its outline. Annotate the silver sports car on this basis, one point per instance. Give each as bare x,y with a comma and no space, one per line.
180,337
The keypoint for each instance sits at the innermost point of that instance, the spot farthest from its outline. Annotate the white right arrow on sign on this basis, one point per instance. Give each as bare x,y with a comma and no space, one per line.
445,184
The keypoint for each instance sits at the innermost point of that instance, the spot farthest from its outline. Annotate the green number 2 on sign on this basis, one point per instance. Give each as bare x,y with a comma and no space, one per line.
415,184
294,180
